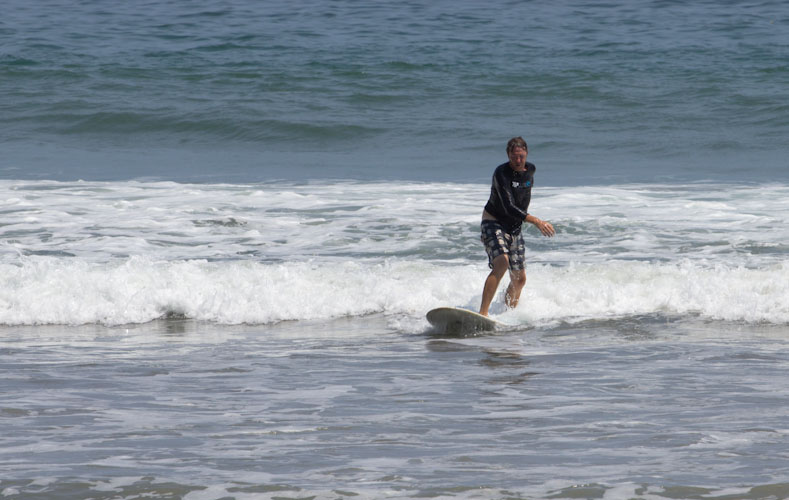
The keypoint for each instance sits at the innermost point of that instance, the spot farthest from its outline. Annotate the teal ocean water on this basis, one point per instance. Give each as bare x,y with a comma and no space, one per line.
251,91
222,223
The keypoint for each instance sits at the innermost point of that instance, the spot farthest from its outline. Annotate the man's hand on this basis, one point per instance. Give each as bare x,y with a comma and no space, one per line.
545,227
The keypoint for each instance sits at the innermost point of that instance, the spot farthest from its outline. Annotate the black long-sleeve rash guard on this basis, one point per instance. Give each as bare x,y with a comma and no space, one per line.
510,194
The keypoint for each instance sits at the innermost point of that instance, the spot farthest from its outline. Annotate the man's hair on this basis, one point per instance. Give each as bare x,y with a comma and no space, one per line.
516,142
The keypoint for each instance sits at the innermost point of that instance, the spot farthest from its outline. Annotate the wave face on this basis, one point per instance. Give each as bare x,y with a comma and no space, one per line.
131,252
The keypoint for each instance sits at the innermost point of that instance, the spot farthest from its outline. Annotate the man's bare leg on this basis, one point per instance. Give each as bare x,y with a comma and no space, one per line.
513,295
500,266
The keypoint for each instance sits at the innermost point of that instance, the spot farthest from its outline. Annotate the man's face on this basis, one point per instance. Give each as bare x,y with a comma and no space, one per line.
518,158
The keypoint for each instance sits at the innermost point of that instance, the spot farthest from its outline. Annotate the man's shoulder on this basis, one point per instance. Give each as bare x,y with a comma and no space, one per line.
530,167
503,170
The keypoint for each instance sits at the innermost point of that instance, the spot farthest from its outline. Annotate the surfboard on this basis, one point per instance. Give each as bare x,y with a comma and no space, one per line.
453,320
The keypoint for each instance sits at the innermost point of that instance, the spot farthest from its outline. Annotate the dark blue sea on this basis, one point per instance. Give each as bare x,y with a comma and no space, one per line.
222,224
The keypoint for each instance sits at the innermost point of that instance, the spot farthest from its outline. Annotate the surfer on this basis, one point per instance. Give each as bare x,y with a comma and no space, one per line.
505,212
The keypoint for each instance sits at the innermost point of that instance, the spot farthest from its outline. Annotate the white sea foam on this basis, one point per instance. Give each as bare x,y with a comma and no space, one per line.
115,253
48,290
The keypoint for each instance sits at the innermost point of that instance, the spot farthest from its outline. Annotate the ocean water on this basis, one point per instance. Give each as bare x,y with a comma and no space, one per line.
248,91
222,225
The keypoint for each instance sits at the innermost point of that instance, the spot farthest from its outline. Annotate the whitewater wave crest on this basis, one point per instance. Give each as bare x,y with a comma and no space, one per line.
54,290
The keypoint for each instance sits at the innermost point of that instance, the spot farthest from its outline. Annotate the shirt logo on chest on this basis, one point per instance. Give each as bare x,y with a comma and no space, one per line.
521,184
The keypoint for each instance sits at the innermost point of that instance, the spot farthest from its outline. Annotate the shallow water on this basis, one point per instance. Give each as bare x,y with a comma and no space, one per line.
649,407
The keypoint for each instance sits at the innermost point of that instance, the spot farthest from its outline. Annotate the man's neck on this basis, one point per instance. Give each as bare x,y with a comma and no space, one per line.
516,169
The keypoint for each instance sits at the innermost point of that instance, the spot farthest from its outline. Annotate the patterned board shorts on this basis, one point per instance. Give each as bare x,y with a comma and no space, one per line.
498,241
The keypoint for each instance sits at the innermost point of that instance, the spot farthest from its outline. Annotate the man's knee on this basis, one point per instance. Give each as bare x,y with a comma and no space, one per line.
518,278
